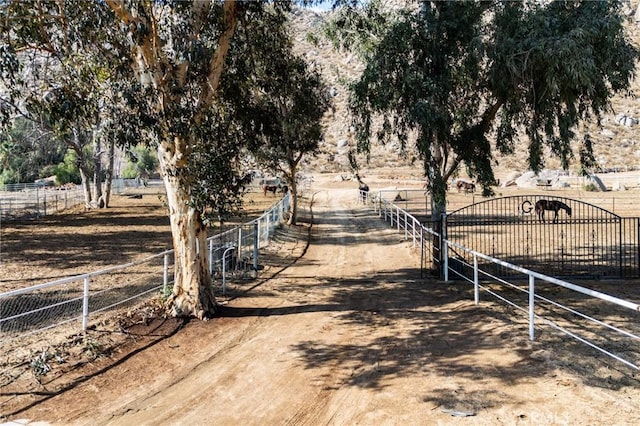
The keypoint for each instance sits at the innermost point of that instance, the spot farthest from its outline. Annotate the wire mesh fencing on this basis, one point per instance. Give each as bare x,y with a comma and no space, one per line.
48,313
37,201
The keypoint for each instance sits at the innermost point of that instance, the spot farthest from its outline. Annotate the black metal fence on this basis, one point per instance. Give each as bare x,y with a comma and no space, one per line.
583,240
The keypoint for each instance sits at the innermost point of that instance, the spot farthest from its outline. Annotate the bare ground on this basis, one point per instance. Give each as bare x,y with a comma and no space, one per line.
340,329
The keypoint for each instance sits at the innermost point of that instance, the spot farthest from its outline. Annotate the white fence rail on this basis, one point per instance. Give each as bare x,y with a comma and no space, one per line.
608,324
75,301
36,200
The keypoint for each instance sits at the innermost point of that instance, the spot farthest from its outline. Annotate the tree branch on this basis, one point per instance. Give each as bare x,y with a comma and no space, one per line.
448,172
121,12
216,65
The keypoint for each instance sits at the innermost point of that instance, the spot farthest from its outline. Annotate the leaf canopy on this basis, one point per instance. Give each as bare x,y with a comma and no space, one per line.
456,75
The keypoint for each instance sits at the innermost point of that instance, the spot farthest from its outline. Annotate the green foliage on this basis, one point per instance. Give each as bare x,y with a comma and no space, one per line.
92,348
9,176
27,148
285,102
41,362
591,187
67,171
458,74
141,164
66,64
213,174
555,64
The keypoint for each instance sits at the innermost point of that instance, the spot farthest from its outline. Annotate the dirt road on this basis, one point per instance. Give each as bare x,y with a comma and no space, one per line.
343,332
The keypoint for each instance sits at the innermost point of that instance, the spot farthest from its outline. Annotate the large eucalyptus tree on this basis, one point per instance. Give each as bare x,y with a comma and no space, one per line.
179,98
457,74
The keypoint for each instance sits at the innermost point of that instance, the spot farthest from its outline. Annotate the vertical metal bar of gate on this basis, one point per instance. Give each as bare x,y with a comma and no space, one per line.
476,282
421,251
531,307
256,245
445,262
620,245
406,226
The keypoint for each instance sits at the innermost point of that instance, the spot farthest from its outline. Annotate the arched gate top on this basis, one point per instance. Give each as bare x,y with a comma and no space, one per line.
522,206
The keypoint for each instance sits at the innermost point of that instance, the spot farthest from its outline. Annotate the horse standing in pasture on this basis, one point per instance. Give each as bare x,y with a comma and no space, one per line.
269,188
551,205
467,187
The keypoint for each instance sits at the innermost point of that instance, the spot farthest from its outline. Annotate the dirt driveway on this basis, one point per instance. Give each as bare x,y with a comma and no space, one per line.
344,331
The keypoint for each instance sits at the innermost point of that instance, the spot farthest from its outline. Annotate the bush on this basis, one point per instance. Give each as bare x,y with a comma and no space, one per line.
68,171
9,176
591,187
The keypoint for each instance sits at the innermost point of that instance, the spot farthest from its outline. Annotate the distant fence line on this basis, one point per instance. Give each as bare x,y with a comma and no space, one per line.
22,200
75,301
580,316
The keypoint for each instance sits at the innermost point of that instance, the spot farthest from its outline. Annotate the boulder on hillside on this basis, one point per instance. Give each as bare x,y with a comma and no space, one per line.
544,178
510,180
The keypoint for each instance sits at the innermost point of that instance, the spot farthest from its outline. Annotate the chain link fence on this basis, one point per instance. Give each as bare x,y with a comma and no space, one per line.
47,314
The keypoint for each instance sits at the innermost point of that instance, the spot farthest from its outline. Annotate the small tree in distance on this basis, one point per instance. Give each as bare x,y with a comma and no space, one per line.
291,98
141,165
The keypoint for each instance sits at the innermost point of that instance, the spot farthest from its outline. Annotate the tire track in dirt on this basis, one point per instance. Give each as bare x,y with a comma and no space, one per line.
304,305
312,412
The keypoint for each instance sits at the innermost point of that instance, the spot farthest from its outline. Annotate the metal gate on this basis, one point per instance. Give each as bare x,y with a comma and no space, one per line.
583,240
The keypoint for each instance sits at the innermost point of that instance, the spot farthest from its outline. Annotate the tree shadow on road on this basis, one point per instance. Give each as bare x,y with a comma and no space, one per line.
403,326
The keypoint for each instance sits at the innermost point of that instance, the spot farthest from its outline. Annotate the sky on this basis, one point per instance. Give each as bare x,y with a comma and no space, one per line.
322,7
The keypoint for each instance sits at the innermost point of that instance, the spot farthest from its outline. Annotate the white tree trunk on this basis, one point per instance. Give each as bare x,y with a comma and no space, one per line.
97,171
192,290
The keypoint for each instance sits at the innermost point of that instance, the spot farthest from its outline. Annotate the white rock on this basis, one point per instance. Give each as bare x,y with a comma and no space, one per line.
607,133
617,186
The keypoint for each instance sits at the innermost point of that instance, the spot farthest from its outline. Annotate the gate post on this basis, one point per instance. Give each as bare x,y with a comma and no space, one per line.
476,282
532,314
445,263
85,304
441,245
256,244
422,262
165,273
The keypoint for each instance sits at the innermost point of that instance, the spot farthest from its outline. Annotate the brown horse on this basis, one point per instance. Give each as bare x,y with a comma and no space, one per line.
269,188
465,186
551,205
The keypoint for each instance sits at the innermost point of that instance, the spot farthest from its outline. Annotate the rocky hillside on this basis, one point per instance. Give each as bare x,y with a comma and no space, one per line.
616,143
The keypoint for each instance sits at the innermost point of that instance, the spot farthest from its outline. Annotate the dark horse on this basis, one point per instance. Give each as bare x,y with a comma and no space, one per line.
270,188
551,205
465,186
